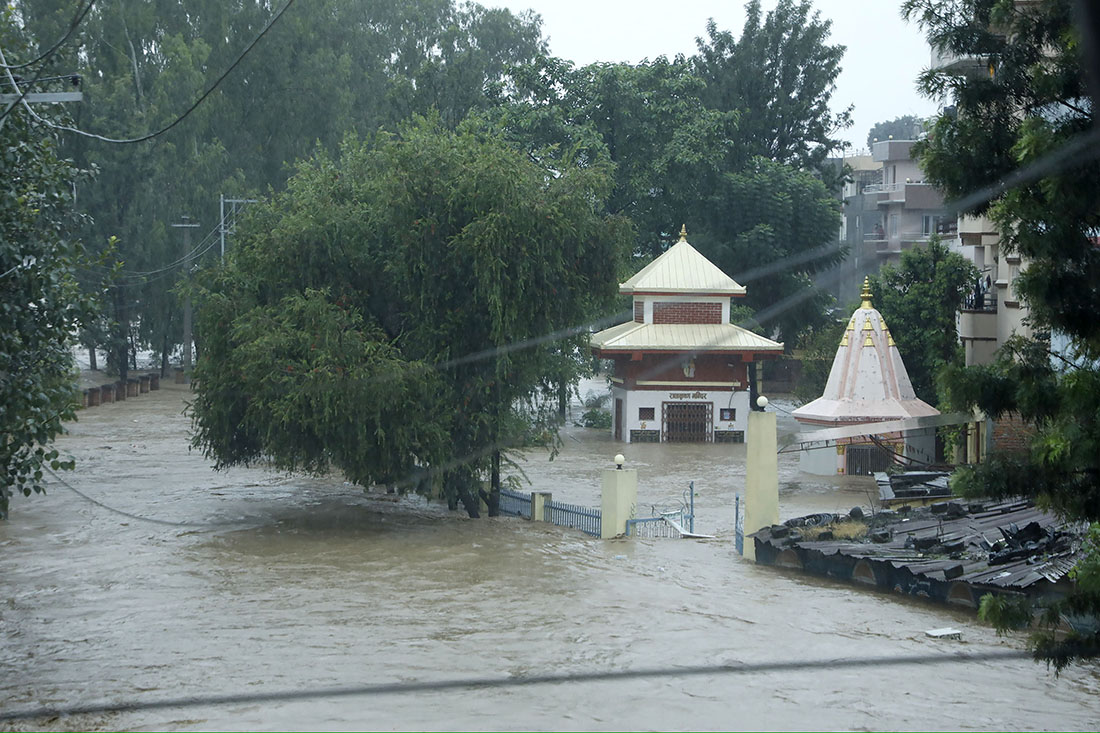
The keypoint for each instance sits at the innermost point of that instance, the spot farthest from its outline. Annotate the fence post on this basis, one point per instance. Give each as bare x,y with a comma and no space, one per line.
619,500
761,476
538,505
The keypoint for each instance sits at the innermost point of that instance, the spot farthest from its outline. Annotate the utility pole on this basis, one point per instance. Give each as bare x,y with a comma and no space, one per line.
223,227
10,100
186,225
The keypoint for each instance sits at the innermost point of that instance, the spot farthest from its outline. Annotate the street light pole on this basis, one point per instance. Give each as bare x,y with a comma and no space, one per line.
186,225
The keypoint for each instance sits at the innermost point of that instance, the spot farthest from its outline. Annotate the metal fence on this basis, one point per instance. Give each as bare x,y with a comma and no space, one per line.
515,503
658,526
577,517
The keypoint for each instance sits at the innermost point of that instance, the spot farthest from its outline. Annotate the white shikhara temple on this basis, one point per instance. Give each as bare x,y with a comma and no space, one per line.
868,383
681,367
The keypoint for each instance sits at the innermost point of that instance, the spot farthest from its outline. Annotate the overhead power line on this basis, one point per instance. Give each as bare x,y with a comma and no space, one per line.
405,688
149,136
45,55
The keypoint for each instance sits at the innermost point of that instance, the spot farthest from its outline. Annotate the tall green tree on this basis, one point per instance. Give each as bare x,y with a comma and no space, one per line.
392,310
1033,100
779,75
919,299
326,68
678,161
40,301
906,127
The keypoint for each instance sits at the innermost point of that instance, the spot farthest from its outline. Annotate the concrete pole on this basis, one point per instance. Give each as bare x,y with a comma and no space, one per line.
619,499
761,476
186,225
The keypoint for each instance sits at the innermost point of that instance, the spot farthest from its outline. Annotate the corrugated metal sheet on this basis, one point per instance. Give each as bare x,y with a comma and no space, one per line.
971,530
702,337
682,269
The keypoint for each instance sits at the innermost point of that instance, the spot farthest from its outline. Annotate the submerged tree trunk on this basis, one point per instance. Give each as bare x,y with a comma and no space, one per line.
493,500
119,349
457,486
91,359
164,356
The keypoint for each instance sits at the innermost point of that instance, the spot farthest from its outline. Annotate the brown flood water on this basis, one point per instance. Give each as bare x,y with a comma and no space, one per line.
293,584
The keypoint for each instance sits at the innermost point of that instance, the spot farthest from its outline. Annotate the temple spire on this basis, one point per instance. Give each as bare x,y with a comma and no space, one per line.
683,233
865,294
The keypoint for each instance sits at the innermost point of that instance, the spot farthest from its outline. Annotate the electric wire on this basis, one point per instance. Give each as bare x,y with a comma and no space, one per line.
149,136
45,55
489,683
151,520
21,99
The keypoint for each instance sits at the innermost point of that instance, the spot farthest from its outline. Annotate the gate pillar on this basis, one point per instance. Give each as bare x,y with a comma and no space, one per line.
619,499
761,476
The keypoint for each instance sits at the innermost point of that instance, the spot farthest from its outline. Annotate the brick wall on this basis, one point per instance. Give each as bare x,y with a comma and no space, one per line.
1011,434
687,312
639,311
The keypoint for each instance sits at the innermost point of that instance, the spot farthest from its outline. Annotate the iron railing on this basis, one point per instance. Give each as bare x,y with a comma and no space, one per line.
651,527
515,503
985,302
585,519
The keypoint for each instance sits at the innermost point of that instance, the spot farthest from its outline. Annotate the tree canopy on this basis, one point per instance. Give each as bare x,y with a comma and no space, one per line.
779,75
391,312
325,69
906,127
919,299
731,141
40,300
1029,100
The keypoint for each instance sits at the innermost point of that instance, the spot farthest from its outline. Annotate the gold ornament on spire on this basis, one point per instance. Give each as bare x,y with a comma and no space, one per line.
865,294
683,233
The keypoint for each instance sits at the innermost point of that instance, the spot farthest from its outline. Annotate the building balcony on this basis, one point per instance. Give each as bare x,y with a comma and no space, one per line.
910,195
883,188
978,325
980,303
914,237
970,67
886,248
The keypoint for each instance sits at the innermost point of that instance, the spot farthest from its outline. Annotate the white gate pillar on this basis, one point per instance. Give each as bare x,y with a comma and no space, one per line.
761,476
619,500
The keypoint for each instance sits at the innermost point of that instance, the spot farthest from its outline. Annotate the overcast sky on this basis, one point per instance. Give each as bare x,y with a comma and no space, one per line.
883,58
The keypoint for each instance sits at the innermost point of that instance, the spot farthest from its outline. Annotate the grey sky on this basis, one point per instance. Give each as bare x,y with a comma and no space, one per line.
885,54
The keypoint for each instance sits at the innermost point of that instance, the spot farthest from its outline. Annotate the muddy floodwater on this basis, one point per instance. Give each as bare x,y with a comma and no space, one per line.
270,583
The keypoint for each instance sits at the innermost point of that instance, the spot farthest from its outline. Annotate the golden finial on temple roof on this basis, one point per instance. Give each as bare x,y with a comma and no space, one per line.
683,233
865,294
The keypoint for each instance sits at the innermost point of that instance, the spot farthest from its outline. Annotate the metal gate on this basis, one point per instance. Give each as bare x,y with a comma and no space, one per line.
687,422
863,460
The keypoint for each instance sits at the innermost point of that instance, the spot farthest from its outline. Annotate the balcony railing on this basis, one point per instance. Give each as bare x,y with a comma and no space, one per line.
883,188
980,302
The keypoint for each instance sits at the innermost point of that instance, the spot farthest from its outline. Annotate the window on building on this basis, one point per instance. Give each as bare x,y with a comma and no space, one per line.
727,414
645,413
893,225
930,224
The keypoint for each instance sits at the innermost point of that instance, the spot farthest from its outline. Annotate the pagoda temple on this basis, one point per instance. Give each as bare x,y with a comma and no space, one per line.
868,383
681,367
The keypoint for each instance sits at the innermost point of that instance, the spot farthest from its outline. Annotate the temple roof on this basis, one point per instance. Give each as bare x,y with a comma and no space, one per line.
681,269
868,381
695,337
